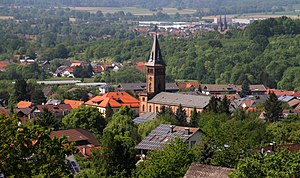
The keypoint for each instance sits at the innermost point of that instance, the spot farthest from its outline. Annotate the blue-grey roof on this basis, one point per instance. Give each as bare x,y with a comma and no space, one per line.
162,135
286,98
175,99
144,118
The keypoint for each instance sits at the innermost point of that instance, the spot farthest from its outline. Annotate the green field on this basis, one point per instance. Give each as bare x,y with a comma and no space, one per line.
86,80
133,10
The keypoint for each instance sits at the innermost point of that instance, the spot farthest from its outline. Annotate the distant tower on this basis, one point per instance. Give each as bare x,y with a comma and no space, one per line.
220,28
155,70
155,78
225,23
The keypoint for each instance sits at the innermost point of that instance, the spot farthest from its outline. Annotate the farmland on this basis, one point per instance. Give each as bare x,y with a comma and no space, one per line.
133,10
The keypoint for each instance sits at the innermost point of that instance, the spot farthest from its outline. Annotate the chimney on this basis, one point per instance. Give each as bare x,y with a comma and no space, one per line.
171,128
187,131
84,151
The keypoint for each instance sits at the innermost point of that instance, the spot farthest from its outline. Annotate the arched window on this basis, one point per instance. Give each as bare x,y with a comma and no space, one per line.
156,109
150,85
143,108
150,108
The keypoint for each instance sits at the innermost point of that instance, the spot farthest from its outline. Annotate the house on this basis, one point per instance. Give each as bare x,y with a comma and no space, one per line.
59,110
188,85
164,134
249,101
24,104
98,69
84,140
286,98
279,93
73,103
140,66
115,100
218,89
273,147
294,103
197,170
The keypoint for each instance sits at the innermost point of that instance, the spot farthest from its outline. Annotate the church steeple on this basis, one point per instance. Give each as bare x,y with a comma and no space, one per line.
155,70
225,23
155,58
220,28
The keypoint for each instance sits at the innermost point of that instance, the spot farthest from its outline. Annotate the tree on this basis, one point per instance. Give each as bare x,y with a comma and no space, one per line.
162,111
280,164
164,163
30,152
245,89
273,108
127,111
85,117
109,112
181,115
47,120
194,118
20,91
117,156
37,95
224,106
213,105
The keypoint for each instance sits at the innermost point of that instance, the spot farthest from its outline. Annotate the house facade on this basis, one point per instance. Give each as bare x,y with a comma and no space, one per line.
115,100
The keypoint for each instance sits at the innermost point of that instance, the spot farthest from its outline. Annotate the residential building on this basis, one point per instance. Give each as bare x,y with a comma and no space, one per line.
59,110
221,89
24,104
164,134
115,100
74,103
84,140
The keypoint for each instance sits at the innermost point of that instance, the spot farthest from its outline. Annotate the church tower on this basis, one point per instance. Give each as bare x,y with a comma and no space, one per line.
220,27
155,78
155,71
225,23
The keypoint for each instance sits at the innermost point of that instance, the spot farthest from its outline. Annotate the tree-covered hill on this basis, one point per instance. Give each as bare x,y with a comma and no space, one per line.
216,5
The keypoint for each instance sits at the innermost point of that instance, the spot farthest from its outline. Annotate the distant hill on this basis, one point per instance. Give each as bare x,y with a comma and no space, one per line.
235,6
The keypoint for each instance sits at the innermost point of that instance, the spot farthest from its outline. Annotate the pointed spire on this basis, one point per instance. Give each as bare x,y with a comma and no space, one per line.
225,23
220,28
155,58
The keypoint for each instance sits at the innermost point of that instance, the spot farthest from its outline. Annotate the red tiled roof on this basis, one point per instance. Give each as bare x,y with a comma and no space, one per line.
297,94
294,102
55,108
182,85
24,104
76,135
4,64
279,93
74,103
115,99
98,69
140,66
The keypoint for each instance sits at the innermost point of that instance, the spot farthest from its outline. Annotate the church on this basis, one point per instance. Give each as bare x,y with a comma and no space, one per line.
156,96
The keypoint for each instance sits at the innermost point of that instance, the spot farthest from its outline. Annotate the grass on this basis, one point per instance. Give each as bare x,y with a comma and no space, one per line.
133,10
86,80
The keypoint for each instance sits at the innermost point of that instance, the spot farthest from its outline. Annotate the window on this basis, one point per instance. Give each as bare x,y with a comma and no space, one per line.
150,109
150,85
143,98
156,109
143,108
